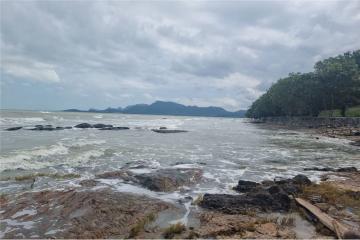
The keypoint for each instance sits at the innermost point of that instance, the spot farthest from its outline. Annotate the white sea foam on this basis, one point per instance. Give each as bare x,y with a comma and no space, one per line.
20,121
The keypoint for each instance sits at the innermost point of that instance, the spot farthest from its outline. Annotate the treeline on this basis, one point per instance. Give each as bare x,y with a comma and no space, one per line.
334,84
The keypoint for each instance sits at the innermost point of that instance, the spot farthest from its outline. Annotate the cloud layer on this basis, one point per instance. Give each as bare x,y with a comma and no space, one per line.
62,54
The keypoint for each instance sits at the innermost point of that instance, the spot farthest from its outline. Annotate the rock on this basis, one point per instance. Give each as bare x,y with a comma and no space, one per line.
347,169
114,128
13,128
165,180
163,128
168,131
88,183
245,186
67,127
83,125
121,174
269,229
325,169
100,125
59,128
301,180
77,214
355,143
356,133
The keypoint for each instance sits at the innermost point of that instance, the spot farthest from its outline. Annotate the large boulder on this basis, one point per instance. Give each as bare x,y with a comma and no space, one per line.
165,180
162,180
84,125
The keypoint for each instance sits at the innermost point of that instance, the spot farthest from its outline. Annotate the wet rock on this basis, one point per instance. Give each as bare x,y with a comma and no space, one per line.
347,169
114,128
165,180
101,125
325,169
163,128
355,143
59,128
76,214
67,127
168,131
84,125
120,174
245,186
88,183
301,179
13,128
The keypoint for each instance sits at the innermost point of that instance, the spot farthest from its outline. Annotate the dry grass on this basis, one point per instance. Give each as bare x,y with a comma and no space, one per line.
198,200
174,229
140,226
333,195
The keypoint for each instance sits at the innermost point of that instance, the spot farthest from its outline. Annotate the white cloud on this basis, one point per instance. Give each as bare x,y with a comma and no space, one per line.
30,70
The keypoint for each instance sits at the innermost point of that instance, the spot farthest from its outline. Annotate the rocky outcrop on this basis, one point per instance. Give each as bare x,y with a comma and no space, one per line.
313,122
163,180
101,125
114,128
267,196
13,128
328,169
76,214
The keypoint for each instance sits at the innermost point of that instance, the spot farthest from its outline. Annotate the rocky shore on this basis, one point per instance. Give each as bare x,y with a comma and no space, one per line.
256,210
345,128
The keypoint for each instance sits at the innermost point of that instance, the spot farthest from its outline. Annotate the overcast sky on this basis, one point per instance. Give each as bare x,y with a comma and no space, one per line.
82,54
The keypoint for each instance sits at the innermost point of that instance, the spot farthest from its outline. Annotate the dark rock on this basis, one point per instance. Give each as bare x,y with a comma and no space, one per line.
325,169
168,131
235,204
356,133
59,128
163,128
67,127
347,169
114,128
301,180
245,186
100,125
122,174
355,143
165,180
84,125
13,128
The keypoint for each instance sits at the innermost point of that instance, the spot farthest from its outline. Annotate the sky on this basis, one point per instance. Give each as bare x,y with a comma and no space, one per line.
80,54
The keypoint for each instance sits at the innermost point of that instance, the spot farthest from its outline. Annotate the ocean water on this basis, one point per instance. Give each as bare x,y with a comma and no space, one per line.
225,149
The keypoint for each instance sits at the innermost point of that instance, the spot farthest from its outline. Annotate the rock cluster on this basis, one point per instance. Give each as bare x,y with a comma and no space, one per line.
162,180
265,196
99,126
329,169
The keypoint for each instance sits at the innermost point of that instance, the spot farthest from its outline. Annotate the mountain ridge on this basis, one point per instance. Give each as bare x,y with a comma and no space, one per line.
167,108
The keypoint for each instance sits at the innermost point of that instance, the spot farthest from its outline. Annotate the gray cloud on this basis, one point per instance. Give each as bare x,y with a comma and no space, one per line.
115,53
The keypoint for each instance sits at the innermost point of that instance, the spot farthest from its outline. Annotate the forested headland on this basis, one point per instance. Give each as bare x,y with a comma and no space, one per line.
333,86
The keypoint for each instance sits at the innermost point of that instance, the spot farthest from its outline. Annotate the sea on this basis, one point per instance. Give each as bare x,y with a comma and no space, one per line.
226,149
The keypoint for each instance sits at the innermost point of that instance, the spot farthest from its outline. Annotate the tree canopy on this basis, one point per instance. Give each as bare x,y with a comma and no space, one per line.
334,84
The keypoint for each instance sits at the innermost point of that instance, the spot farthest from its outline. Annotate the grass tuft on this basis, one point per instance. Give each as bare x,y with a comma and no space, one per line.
140,226
174,229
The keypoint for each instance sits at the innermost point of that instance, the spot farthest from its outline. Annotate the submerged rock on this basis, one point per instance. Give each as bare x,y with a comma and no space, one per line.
13,128
101,125
168,131
114,128
328,169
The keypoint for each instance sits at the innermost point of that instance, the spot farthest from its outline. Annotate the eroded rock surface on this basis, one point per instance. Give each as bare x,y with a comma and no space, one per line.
75,214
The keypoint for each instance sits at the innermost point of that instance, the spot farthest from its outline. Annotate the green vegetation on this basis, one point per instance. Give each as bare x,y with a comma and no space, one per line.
174,229
350,112
334,84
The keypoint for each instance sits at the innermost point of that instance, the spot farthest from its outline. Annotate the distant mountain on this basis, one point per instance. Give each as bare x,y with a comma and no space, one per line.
169,108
